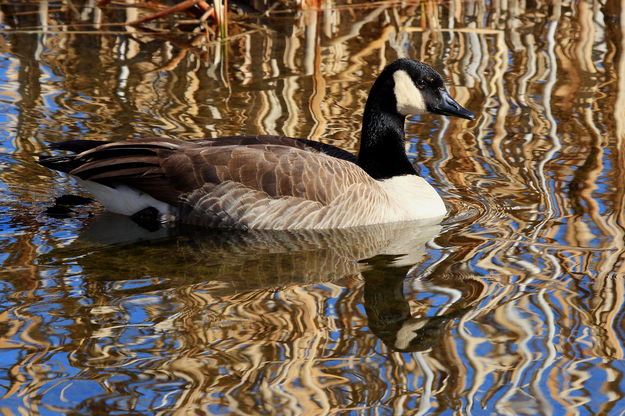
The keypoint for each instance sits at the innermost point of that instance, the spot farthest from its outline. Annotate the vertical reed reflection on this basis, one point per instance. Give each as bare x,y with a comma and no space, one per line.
515,306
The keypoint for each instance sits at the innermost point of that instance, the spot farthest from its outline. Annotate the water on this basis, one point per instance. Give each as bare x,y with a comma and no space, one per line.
513,305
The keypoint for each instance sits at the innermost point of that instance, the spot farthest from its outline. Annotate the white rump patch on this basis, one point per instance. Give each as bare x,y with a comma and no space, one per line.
123,199
409,99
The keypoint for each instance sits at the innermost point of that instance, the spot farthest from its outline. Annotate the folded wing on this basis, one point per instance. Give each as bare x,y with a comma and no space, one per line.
252,185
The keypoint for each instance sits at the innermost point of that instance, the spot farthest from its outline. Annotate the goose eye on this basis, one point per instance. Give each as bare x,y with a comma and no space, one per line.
420,84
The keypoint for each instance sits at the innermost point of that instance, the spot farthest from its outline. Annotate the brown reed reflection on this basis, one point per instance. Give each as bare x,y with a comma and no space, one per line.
515,306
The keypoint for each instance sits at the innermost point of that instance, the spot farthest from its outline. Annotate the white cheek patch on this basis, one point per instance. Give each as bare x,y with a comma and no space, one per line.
409,99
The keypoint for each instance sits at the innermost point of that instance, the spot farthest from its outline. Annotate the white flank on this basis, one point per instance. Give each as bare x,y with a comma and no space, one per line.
123,199
409,99
413,198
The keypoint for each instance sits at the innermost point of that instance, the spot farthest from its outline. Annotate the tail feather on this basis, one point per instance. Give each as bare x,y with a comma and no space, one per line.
85,163
122,152
78,146
67,163
61,163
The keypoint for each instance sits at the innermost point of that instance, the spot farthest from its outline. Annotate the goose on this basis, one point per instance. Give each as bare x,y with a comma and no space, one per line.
274,182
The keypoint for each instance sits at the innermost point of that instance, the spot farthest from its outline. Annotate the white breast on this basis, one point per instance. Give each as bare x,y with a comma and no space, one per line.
412,198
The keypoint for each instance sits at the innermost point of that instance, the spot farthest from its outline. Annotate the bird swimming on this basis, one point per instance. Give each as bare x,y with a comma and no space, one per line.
275,182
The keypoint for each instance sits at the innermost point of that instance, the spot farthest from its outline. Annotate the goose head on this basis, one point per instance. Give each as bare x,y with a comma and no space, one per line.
404,88
418,89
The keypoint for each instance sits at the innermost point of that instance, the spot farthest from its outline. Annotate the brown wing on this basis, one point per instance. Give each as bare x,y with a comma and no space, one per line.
169,169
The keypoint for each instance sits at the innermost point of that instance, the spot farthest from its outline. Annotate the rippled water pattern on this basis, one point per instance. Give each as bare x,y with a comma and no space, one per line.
513,305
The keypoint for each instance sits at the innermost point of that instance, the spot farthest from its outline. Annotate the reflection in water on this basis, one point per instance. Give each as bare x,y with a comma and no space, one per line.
278,305
514,306
388,311
240,257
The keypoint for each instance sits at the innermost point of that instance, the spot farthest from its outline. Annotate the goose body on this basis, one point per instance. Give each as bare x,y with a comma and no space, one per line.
275,182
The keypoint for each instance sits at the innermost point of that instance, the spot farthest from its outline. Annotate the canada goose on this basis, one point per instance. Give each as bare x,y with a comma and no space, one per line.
275,182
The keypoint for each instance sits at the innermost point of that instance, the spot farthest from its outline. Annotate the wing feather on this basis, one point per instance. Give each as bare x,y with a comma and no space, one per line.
177,168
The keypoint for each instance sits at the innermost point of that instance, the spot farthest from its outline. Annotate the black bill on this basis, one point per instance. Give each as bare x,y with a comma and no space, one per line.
447,106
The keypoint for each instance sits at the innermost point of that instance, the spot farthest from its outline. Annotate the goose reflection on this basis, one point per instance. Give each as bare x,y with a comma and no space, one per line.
114,248
389,313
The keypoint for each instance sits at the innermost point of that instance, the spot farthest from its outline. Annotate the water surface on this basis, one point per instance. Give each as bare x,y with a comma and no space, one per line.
513,305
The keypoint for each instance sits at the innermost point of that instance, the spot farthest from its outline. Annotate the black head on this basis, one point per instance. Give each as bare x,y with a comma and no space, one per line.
419,89
405,87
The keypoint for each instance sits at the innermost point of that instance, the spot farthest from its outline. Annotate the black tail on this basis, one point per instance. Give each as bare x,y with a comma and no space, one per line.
78,146
61,163
68,163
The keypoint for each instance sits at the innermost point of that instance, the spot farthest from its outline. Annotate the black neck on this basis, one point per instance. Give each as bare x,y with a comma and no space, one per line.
382,144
